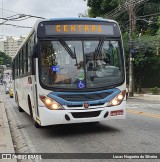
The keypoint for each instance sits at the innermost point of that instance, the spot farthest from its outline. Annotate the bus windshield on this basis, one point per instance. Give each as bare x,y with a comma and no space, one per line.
80,64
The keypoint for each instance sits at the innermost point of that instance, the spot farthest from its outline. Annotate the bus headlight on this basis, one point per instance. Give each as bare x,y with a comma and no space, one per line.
117,100
50,103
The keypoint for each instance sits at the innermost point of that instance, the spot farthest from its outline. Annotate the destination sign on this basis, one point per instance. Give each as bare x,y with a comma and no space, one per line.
60,29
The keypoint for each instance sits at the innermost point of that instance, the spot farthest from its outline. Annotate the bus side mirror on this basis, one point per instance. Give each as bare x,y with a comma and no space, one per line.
35,51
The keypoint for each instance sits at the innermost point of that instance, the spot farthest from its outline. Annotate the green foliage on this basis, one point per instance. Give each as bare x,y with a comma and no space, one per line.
98,8
158,32
4,59
152,6
146,58
154,90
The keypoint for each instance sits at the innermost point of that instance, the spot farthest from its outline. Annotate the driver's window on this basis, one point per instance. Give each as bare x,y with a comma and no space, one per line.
110,53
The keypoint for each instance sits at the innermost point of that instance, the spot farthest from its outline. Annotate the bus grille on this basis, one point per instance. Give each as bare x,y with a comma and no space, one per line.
85,97
98,104
86,114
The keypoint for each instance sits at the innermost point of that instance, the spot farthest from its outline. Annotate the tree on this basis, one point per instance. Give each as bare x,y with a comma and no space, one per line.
98,8
5,59
145,59
141,64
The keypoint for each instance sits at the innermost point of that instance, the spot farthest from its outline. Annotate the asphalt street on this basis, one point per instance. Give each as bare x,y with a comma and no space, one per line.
139,133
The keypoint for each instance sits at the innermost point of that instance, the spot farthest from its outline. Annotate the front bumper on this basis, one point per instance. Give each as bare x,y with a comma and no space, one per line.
54,117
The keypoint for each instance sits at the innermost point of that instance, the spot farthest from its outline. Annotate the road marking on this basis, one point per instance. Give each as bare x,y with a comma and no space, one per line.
135,106
153,105
132,106
143,113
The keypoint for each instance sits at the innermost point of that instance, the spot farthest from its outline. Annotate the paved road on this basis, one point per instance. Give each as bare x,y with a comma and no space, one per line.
144,108
139,133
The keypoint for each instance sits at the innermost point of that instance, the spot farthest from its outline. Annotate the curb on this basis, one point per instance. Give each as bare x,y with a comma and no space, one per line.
149,97
18,140
6,142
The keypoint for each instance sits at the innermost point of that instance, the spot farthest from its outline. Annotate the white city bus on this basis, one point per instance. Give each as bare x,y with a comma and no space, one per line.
71,71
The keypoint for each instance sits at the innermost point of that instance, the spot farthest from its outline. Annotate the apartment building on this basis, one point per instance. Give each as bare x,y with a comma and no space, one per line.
2,46
11,45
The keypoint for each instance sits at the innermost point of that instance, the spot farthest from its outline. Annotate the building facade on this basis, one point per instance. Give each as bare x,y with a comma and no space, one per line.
11,45
2,46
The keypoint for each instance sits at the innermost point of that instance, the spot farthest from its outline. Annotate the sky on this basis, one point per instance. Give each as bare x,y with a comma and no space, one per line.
41,8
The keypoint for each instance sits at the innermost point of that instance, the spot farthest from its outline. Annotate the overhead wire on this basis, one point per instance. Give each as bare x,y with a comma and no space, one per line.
13,18
122,8
18,19
158,13
8,10
18,26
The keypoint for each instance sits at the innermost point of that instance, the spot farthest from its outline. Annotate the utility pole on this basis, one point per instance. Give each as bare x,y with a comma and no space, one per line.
131,7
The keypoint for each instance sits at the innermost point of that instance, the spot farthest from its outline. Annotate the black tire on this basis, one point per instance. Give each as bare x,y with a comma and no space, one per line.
30,107
31,114
37,125
19,108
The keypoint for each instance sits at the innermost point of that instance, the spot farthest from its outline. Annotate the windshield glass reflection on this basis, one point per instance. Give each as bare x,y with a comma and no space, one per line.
80,63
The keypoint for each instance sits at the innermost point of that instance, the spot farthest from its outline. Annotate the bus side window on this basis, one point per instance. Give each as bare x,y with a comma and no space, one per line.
26,58
29,55
22,62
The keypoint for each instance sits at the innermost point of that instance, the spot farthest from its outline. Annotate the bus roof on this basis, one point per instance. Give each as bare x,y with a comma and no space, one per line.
75,19
82,19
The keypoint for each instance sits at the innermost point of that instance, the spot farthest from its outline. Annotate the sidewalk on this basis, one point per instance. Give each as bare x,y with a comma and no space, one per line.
11,138
149,97
6,143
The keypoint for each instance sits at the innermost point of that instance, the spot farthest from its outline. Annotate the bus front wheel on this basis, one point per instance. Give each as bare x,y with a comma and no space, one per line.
37,125
31,113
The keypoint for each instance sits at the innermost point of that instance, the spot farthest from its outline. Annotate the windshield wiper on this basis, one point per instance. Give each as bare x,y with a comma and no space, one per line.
67,48
99,47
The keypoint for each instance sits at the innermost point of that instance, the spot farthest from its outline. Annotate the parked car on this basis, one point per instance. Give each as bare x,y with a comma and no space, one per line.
11,91
7,87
